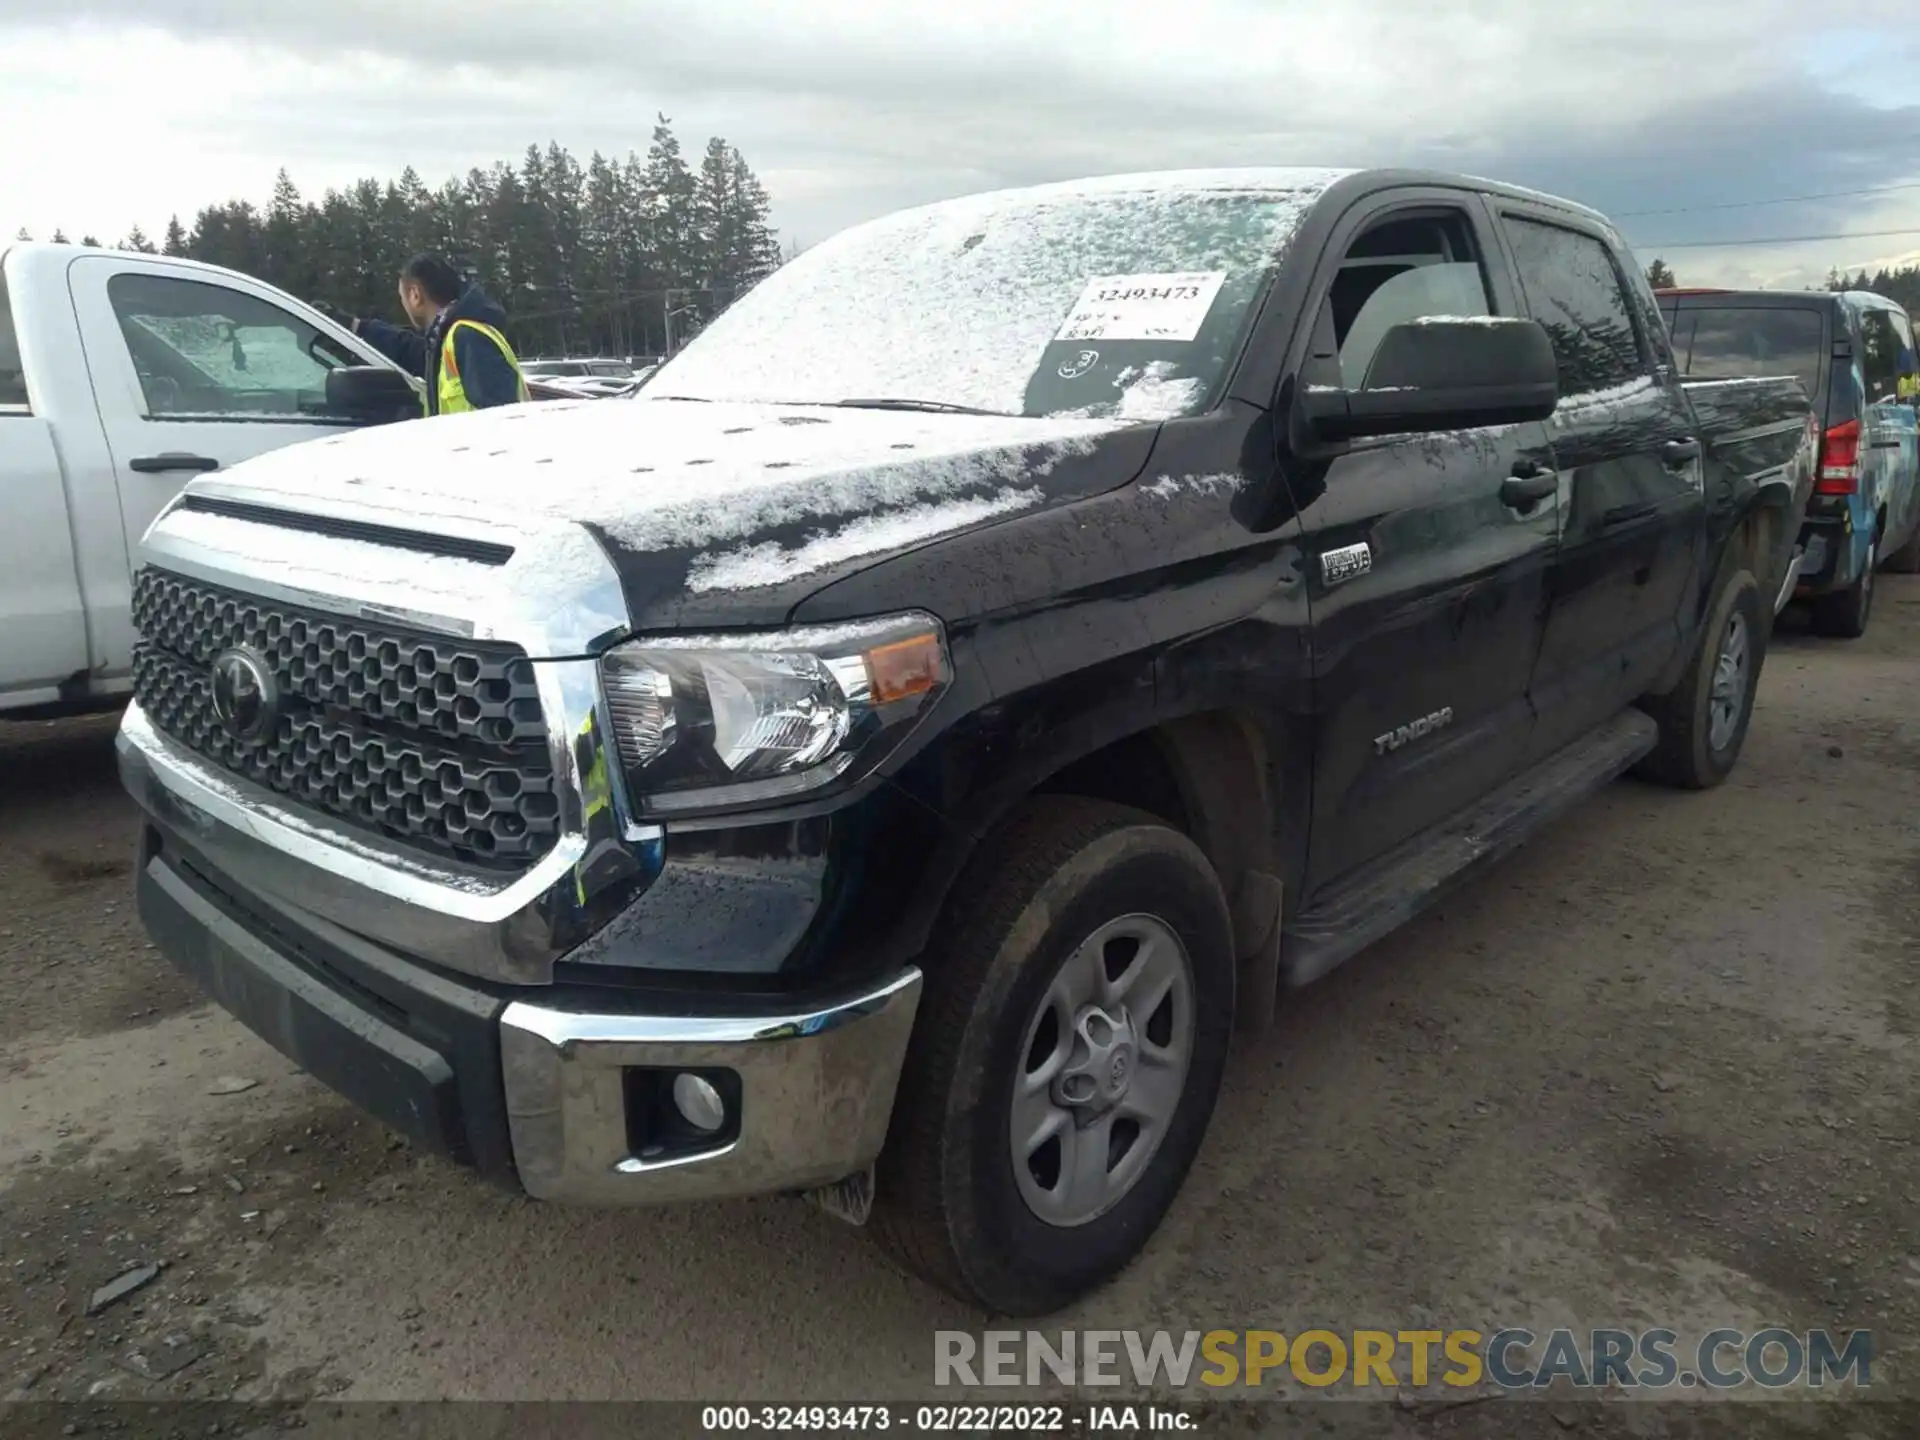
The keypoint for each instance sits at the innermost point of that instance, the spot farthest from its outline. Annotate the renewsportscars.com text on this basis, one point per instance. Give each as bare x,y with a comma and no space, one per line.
1510,1359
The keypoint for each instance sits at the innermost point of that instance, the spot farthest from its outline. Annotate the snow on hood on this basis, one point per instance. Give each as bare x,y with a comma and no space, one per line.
714,479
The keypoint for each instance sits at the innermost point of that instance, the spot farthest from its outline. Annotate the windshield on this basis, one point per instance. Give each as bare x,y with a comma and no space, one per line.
1126,297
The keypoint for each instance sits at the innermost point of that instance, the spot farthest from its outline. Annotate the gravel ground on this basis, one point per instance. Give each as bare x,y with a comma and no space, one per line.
1658,1069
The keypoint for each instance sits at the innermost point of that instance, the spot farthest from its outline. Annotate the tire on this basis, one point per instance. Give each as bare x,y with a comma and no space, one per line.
1702,730
1843,615
950,1204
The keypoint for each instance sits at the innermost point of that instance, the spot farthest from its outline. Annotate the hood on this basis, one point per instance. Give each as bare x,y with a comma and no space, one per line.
711,513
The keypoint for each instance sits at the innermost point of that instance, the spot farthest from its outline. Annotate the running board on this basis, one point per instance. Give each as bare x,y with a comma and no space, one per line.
1379,899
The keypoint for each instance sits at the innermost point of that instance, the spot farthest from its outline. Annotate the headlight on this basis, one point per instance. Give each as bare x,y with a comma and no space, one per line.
718,720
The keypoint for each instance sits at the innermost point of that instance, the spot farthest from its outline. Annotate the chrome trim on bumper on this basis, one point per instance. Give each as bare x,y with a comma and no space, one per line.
497,926
817,1092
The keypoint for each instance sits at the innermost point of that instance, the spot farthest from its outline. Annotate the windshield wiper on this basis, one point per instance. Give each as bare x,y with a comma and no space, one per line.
938,407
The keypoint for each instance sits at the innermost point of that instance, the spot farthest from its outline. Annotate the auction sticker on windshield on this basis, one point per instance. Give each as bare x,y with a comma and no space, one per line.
1162,306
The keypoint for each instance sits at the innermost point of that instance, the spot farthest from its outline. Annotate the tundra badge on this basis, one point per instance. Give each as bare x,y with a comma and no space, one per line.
1425,725
1346,563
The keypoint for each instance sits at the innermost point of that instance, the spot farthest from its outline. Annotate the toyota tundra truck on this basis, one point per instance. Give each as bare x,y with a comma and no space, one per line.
890,757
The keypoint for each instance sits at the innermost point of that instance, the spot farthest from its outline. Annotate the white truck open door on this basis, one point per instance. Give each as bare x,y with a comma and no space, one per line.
195,370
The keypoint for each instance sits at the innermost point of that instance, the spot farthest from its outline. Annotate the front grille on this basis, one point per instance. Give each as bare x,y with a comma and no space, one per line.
435,742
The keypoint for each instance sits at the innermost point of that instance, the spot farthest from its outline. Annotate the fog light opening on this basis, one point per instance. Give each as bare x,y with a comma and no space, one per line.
699,1103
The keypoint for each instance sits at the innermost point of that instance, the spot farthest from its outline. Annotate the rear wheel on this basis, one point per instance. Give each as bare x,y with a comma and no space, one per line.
1703,720
1844,614
1065,1059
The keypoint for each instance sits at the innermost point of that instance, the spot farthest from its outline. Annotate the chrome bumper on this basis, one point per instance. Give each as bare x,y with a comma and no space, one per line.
816,1094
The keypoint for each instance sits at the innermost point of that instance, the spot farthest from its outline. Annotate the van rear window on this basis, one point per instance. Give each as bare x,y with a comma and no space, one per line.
13,376
1740,344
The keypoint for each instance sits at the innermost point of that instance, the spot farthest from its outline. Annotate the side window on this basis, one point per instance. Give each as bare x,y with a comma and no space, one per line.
1909,360
1577,294
1398,270
1880,357
13,374
210,351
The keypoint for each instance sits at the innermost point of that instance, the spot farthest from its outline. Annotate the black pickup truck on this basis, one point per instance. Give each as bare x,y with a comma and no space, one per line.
887,759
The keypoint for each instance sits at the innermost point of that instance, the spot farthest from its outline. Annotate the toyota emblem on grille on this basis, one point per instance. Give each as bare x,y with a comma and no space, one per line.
244,694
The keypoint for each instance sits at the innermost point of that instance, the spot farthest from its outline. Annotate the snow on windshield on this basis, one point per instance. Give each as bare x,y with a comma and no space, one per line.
1053,300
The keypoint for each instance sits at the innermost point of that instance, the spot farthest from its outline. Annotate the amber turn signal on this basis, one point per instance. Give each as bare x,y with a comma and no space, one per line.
903,669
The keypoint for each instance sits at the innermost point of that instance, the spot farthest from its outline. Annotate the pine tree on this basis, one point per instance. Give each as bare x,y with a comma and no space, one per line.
668,202
586,258
24,234
60,237
1660,275
288,240
90,241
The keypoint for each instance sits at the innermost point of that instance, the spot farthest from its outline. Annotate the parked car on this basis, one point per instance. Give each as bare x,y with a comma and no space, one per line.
121,376
1854,353
887,769
583,379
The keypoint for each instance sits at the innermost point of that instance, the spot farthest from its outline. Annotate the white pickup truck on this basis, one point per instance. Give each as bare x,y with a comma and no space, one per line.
122,376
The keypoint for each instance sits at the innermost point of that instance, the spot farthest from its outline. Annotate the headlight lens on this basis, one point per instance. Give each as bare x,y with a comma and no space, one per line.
704,721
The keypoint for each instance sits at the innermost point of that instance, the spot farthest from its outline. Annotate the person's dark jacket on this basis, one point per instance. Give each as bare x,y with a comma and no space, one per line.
488,376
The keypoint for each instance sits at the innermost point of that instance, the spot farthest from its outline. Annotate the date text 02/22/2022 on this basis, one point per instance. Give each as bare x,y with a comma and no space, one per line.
950,1419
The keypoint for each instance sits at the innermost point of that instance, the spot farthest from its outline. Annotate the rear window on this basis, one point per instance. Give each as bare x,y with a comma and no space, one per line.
1716,343
13,375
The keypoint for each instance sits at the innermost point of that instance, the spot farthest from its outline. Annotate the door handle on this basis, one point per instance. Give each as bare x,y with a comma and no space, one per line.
172,460
1530,483
1676,453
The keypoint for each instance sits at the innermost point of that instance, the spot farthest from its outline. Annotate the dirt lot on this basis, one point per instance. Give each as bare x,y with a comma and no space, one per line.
1659,1069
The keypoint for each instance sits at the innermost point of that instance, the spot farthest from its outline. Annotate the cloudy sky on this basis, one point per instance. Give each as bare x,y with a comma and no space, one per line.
1670,115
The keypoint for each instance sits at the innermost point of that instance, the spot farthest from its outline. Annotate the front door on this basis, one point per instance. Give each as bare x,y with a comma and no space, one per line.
1632,513
193,371
1889,464
1426,568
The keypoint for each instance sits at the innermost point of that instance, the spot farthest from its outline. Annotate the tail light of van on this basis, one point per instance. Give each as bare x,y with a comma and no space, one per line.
1840,460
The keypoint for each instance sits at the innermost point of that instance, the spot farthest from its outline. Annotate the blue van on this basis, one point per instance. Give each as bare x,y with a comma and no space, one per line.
1854,353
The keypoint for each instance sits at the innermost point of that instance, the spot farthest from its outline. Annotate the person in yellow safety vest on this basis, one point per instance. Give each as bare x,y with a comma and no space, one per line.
457,345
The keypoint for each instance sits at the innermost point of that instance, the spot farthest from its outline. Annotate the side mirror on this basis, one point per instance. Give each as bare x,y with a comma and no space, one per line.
374,394
1442,373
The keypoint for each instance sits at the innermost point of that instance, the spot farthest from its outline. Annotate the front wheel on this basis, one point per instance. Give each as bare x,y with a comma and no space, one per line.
1703,720
1065,1059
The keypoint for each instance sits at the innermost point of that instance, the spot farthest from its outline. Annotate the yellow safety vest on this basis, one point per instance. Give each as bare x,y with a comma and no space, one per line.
452,391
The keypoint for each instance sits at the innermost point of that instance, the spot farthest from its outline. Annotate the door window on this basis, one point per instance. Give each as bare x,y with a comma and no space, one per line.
211,352
1407,268
1880,357
13,375
1576,292
1909,361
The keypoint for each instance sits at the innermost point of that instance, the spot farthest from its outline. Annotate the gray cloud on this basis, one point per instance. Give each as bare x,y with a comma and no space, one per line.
849,107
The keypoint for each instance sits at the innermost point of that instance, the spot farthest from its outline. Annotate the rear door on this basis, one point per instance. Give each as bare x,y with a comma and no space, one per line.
196,370
1631,515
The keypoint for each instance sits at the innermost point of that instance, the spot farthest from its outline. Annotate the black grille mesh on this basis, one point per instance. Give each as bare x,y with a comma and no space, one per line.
434,741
